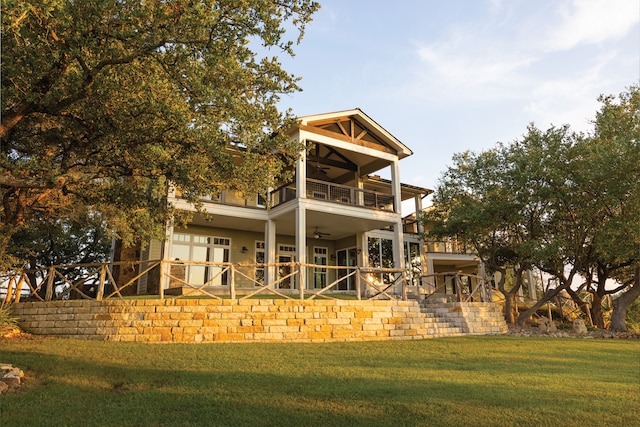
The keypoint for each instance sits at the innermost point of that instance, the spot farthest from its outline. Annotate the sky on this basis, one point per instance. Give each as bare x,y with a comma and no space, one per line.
446,76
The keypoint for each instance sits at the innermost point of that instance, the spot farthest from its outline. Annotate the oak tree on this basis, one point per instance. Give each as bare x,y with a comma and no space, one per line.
565,203
105,103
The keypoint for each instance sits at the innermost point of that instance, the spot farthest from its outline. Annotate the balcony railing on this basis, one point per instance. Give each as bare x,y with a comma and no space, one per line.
322,190
448,247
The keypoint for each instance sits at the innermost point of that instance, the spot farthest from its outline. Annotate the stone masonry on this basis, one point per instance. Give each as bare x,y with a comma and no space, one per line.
259,320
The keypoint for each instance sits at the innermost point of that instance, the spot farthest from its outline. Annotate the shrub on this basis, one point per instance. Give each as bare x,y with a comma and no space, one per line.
6,320
633,317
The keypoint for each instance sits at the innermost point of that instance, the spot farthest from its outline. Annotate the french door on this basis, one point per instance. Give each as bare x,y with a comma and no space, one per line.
348,258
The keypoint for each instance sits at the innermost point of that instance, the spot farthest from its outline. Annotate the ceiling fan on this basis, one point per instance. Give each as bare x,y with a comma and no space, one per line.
319,234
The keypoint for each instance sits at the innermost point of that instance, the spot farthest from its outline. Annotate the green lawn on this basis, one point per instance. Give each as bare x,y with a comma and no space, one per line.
492,381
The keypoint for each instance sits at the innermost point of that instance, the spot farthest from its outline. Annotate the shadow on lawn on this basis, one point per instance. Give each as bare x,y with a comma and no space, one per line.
114,387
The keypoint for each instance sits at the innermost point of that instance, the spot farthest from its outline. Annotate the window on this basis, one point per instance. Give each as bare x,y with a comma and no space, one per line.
347,258
413,262
205,249
319,273
381,256
286,255
260,257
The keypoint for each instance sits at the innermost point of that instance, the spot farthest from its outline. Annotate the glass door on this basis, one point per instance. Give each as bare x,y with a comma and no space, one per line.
286,254
348,258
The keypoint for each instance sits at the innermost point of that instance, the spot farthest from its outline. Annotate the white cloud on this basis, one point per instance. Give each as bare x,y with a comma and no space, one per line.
520,51
592,21
456,63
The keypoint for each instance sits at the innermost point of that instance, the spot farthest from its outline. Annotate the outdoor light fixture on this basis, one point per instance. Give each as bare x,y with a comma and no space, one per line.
245,249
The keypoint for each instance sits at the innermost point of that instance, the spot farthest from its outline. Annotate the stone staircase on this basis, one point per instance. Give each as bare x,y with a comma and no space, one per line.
467,318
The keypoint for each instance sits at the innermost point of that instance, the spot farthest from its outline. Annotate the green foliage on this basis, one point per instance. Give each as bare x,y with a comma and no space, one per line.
633,317
565,203
104,103
6,320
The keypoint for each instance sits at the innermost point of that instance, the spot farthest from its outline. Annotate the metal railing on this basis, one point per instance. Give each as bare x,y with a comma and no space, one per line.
323,190
448,246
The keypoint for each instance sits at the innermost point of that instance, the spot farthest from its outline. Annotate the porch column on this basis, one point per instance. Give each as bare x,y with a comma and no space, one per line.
359,200
531,281
430,282
398,245
301,173
166,255
270,273
362,249
301,246
395,186
419,224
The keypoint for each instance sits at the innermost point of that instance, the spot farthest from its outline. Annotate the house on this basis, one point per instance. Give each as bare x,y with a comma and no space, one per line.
337,212
446,261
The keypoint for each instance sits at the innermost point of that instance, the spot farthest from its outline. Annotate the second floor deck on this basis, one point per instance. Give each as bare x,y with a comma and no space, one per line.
316,189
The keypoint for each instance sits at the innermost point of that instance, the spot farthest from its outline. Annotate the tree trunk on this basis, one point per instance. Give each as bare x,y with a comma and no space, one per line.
510,304
509,308
597,316
622,303
528,313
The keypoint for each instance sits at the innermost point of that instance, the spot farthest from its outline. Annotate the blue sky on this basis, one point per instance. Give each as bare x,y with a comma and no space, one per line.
449,76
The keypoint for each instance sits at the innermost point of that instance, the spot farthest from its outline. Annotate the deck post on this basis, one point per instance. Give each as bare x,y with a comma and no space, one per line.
232,288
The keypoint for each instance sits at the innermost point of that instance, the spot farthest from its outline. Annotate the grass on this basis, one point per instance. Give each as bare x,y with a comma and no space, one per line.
483,381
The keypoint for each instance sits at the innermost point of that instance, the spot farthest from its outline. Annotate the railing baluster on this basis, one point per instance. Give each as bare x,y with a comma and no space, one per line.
100,292
232,286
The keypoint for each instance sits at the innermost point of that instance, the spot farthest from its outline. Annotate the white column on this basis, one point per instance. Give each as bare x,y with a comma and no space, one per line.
431,282
419,224
301,245
166,256
531,280
270,273
362,249
398,245
301,173
360,186
395,186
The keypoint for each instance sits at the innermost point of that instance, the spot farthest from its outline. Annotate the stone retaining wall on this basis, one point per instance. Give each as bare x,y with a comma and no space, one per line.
209,320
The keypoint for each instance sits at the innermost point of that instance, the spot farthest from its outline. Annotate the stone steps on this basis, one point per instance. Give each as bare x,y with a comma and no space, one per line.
471,318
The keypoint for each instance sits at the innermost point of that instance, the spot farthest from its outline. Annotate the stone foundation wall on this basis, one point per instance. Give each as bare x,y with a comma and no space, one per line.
209,320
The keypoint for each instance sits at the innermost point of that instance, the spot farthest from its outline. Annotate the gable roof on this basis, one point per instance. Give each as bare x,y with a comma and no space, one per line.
360,128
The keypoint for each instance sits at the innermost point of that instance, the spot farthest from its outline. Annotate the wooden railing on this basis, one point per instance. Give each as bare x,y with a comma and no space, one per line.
475,289
97,281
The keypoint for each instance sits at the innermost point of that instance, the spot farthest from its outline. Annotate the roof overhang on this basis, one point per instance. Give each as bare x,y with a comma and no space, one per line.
363,120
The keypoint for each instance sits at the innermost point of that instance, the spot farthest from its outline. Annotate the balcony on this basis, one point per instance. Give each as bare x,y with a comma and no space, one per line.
336,193
230,198
451,246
